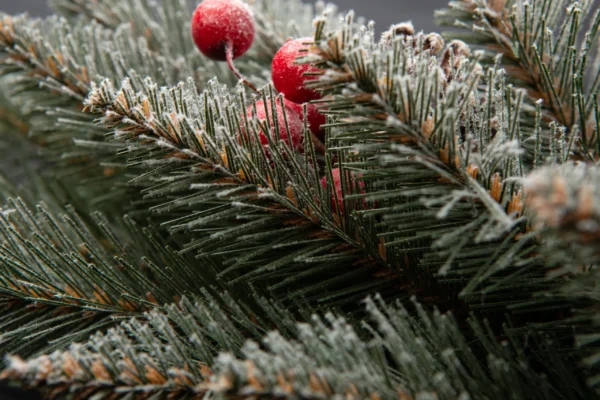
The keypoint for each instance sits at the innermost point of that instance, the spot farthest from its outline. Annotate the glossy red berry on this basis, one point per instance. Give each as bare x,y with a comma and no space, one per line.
289,76
294,122
217,24
314,118
337,186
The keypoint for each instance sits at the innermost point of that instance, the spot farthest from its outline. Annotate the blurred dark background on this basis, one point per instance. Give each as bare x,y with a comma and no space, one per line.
383,12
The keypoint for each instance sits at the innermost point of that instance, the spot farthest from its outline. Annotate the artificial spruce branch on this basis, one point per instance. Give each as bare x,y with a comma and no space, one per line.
457,186
52,76
199,149
140,359
471,142
67,278
54,73
97,370
197,135
543,52
49,77
323,359
441,159
68,63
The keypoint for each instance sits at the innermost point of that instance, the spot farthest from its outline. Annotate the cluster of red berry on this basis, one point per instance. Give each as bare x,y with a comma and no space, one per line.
224,30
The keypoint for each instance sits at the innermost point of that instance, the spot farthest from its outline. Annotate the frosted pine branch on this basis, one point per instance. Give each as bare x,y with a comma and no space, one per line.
444,140
63,278
199,136
324,359
542,51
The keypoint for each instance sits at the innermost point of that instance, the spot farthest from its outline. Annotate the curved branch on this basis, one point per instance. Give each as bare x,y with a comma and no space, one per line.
273,209
539,46
416,128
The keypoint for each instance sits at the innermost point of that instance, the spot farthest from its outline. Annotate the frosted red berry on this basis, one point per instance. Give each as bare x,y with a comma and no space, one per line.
289,76
315,120
294,122
337,186
217,24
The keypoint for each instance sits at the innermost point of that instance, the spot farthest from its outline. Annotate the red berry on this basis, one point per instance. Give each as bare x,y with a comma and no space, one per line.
294,120
337,186
288,76
314,118
218,23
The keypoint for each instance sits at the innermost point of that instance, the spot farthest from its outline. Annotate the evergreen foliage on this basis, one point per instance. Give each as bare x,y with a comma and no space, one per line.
428,358
154,248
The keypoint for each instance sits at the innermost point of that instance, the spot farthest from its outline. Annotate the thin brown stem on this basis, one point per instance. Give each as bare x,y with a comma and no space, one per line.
233,68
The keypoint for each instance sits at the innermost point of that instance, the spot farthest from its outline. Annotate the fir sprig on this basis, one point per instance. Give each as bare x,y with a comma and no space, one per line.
63,278
384,125
203,153
105,42
50,76
543,51
392,355
441,159
445,195
138,358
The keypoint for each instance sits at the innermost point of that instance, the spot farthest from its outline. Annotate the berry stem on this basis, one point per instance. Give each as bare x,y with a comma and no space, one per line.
232,67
